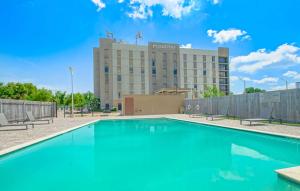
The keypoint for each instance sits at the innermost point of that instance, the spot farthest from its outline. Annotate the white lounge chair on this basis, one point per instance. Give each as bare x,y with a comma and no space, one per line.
4,122
31,118
257,120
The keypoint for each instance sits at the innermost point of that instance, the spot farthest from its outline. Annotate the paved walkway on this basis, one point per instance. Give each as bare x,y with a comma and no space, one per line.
274,129
15,137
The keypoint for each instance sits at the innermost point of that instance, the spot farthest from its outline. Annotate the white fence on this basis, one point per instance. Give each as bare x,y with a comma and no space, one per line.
15,110
284,105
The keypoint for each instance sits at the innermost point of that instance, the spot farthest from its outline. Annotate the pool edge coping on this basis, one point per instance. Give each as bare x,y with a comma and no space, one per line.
41,139
285,172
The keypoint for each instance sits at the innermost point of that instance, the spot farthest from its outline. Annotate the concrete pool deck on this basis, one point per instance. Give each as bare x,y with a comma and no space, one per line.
12,140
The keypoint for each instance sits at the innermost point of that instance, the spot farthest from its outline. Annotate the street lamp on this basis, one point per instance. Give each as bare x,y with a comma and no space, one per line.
244,83
72,92
286,83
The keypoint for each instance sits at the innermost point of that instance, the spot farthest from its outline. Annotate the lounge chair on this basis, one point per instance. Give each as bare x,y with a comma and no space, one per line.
197,115
31,118
212,117
257,120
4,122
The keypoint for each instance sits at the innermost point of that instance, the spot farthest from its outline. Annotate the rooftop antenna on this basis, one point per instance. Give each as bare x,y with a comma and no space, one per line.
138,36
109,35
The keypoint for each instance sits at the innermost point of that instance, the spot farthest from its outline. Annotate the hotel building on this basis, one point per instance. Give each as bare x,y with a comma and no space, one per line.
124,69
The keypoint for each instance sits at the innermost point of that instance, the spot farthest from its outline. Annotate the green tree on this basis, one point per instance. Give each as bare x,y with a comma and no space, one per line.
60,97
79,100
28,91
254,90
43,95
31,90
212,91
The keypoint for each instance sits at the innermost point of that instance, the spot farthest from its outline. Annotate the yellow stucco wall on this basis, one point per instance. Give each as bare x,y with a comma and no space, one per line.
156,104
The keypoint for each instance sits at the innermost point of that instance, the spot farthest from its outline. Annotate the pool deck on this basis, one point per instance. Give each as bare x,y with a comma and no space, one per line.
12,139
292,174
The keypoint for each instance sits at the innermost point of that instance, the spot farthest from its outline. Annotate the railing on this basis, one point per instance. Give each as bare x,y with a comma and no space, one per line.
15,110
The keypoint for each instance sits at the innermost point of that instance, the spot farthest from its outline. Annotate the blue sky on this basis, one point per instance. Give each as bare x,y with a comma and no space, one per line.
40,39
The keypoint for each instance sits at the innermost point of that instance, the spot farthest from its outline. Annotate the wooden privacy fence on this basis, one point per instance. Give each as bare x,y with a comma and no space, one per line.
284,105
15,110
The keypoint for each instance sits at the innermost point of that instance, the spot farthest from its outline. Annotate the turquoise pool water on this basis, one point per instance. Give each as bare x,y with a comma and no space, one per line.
151,155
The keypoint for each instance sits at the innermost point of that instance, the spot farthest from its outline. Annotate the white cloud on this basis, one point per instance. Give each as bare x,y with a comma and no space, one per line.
99,4
283,87
215,2
292,74
140,12
120,1
234,78
189,45
254,61
265,80
142,9
229,35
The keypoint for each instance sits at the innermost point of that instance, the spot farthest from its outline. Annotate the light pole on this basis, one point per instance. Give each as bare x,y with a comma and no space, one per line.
72,91
286,83
244,83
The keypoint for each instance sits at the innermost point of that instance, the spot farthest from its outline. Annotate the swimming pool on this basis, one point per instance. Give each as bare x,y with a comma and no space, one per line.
153,155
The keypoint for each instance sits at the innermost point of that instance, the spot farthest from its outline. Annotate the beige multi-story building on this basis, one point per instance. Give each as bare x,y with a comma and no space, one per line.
123,69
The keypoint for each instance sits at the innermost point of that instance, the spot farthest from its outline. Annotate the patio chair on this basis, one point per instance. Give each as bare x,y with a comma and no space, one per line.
212,116
270,119
31,118
4,122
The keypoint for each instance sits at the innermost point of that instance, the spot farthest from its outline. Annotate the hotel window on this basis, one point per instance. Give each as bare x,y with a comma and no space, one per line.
131,70
195,86
195,65
223,74
106,79
223,81
119,78
174,56
204,58
214,80
223,60
153,71
175,71
131,88
223,67
213,58
194,57
204,72
106,69
119,95
185,79
153,63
